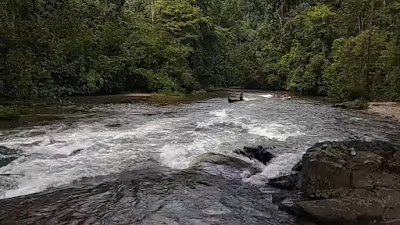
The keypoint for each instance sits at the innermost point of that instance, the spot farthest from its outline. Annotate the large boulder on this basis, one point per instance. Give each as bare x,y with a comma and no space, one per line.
351,181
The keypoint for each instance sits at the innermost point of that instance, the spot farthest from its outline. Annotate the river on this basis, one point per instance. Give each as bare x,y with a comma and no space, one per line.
153,139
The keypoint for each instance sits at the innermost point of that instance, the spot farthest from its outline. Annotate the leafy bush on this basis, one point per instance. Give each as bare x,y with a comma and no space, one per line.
11,113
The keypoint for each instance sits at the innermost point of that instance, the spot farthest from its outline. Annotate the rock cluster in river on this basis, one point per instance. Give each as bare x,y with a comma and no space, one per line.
7,155
350,182
259,153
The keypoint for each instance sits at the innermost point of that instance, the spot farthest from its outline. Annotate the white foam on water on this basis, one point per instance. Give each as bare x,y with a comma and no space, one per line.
280,165
222,119
267,96
219,113
276,131
41,174
46,160
179,156
250,99
215,123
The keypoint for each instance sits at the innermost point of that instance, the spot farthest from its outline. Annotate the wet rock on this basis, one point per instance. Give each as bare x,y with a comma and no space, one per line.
8,155
9,151
286,201
219,159
76,152
222,165
147,196
4,161
291,184
289,205
343,211
351,182
259,153
357,104
113,125
298,167
288,182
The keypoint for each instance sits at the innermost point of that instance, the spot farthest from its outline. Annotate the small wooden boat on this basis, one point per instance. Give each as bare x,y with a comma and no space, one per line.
283,97
232,100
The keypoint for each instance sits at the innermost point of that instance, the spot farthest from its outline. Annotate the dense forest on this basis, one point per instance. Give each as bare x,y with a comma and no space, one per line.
344,49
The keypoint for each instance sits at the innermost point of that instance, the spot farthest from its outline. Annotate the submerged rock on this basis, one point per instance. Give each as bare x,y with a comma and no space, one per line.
76,152
8,155
259,153
219,159
4,161
222,165
351,182
288,182
286,201
298,167
113,125
8,151
291,194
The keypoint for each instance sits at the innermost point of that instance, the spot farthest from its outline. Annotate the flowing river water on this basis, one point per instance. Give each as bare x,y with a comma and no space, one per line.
157,144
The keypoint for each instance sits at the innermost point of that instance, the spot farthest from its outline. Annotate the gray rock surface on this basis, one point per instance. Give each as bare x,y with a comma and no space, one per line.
7,155
351,181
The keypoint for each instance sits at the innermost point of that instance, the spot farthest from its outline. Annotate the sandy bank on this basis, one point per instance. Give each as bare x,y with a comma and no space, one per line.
385,109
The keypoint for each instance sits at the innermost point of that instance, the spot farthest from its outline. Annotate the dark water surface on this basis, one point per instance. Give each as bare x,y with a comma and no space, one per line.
157,144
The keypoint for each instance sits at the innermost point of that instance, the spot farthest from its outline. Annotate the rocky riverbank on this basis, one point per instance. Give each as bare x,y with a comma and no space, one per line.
350,182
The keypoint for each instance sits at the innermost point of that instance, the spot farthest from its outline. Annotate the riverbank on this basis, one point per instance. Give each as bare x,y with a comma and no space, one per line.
390,110
116,98
15,113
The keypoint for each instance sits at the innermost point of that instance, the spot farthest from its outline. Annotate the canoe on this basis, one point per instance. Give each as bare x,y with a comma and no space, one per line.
283,97
232,100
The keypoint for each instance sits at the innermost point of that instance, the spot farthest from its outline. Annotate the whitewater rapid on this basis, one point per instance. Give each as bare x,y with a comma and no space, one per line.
122,137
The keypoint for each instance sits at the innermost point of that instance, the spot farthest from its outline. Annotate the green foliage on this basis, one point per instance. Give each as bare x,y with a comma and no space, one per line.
354,73
182,19
14,112
343,49
388,87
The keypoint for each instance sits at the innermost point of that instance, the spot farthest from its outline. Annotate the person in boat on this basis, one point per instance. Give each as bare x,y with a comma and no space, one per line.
241,98
286,97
